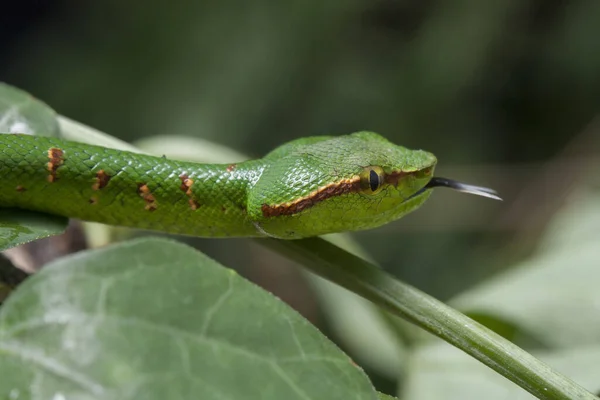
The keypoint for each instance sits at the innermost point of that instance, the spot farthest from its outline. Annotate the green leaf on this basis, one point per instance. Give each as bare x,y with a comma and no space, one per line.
189,148
22,113
577,223
78,132
155,319
20,226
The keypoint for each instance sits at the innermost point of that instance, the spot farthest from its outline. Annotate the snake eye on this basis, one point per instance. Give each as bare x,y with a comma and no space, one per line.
371,180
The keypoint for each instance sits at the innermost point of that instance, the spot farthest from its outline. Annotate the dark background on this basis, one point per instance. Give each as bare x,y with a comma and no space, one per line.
503,92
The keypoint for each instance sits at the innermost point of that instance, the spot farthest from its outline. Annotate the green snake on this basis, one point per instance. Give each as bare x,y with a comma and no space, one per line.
307,187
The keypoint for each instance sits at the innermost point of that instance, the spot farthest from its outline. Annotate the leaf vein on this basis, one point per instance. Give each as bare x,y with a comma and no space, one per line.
50,365
211,312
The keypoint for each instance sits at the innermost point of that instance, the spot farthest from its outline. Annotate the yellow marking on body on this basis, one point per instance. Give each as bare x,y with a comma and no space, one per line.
186,187
102,179
56,157
188,184
193,204
144,192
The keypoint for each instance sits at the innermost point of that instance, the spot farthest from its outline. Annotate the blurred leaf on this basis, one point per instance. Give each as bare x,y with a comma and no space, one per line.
439,371
20,226
192,327
76,131
553,296
190,149
22,113
576,224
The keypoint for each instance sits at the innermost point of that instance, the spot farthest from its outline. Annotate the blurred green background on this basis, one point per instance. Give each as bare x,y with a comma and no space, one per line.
505,93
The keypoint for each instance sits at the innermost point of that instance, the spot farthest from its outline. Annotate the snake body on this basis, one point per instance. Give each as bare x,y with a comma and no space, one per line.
306,187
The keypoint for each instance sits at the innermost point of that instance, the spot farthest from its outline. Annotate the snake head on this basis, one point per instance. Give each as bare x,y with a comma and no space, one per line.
325,185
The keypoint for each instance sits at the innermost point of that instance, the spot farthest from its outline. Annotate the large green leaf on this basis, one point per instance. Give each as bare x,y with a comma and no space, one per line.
155,319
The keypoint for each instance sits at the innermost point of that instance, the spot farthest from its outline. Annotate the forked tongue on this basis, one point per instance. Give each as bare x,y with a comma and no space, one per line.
463,187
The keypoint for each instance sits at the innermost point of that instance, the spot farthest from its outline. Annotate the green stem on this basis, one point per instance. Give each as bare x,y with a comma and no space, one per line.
370,282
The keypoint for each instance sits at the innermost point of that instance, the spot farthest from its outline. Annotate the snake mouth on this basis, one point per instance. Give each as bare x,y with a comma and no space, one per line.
459,186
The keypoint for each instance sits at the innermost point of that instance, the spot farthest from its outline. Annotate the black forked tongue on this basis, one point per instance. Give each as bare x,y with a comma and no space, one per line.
463,187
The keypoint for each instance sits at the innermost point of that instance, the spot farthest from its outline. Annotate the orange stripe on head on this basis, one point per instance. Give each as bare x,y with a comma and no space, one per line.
339,188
